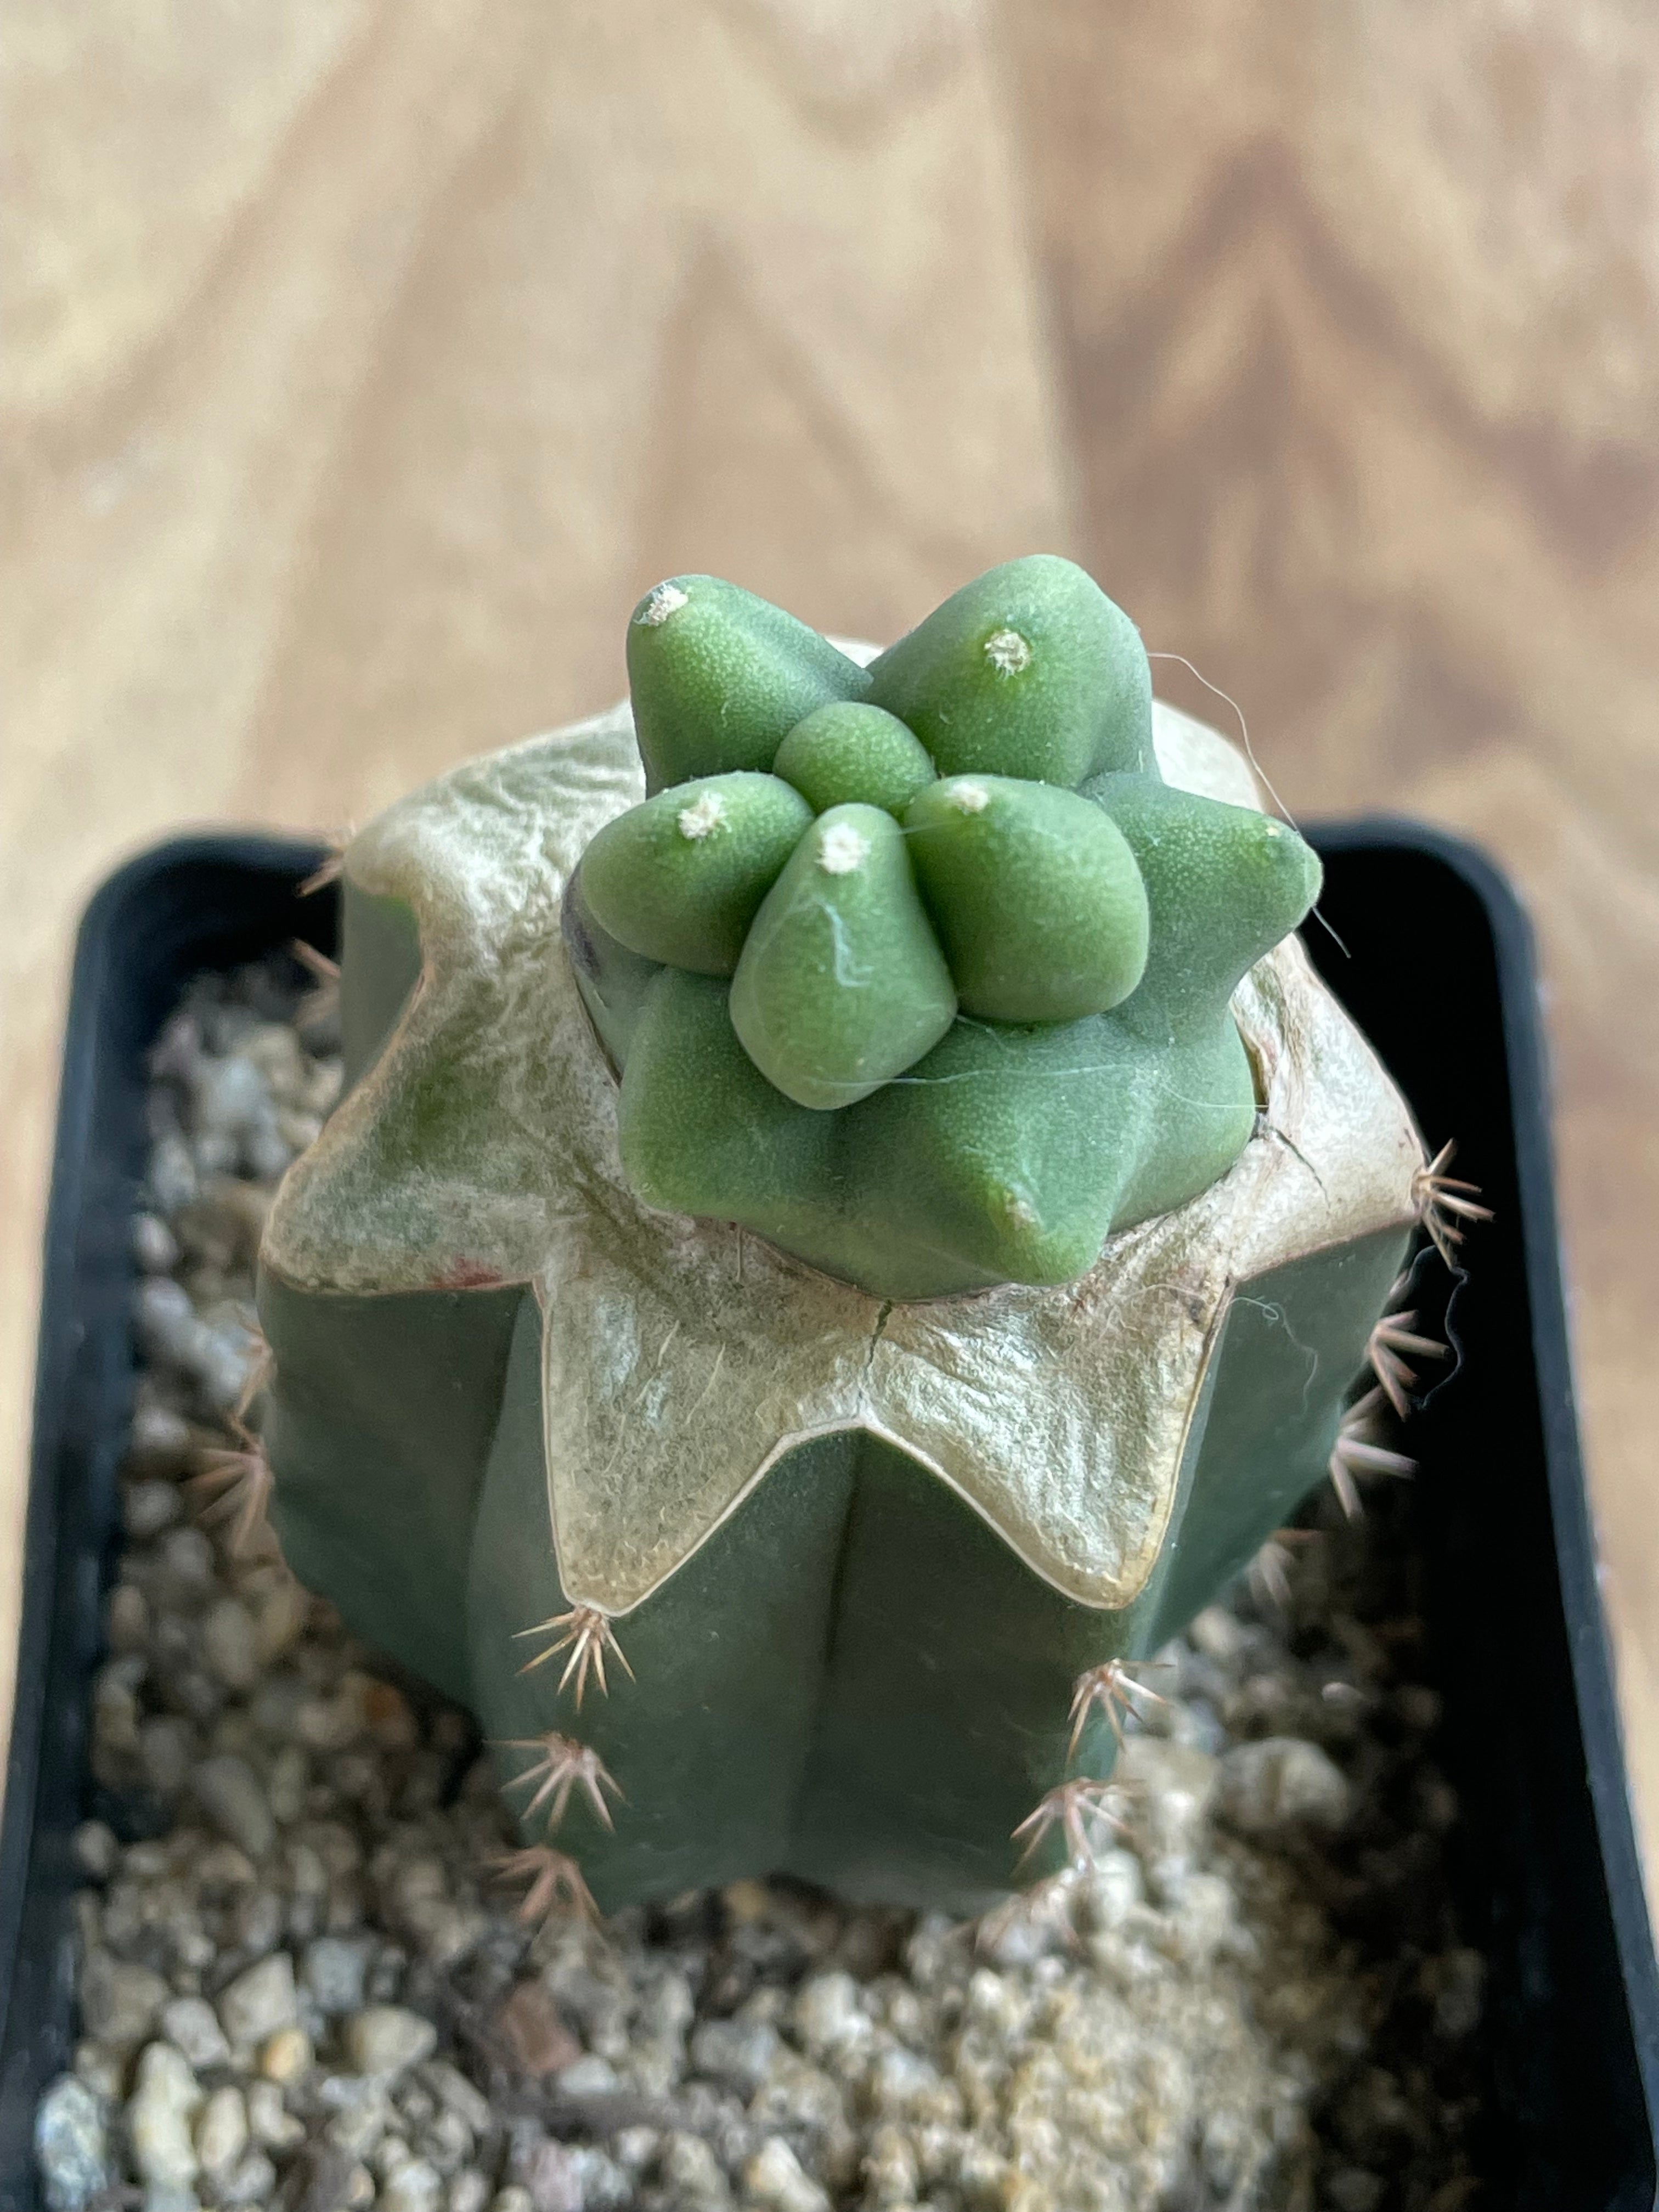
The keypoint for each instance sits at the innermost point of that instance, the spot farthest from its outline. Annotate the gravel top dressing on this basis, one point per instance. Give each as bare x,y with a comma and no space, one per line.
303,1984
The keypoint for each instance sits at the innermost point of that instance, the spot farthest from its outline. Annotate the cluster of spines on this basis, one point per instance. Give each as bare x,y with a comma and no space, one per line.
232,1490
1085,1811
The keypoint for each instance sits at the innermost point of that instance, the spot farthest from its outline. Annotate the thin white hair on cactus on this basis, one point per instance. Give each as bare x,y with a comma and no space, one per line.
1356,1453
562,1766
1080,1810
555,1879
1444,1204
1114,1687
587,1634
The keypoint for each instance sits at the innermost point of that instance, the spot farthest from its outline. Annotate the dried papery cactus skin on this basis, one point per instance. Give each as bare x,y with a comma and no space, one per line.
828,1548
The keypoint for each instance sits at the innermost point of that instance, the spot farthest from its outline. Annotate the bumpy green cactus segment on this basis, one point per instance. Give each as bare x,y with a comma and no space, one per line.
1224,884
681,877
843,753
1042,908
1030,671
720,677
1004,1155
699,1126
841,985
379,1429
1007,1153
1038,903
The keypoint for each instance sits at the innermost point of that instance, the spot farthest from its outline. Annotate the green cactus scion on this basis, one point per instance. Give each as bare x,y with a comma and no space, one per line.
1085,941
834,1246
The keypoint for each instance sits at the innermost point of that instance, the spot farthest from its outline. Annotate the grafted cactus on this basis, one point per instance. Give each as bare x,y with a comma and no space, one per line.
962,979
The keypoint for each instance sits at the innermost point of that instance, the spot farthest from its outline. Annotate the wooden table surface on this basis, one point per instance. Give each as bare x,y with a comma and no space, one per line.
367,357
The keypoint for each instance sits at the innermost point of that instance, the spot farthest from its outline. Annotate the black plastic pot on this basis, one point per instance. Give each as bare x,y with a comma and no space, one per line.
1438,970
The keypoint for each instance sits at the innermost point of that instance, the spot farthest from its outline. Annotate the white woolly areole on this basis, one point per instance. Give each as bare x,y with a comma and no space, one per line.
1008,651
842,848
969,798
706,812
661,601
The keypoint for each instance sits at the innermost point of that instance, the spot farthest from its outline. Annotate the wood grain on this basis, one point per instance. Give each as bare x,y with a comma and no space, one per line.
367,360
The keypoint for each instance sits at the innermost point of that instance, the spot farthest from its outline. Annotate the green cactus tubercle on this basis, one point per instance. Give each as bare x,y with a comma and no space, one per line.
961,923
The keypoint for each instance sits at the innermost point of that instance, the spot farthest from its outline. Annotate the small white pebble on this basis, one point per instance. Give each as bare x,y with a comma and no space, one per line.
468,2191
287,2055
271,2122
659,603
164,2102
101,2071
221,2130
193,2025
634,2148
71,2143
705,814
842,848
154,1245
250,2180
96,1849
1007,651
385,2040
1281,1780
773,2177
260,2001
150,1507
589,2076
829,2012
690,2169
414,2186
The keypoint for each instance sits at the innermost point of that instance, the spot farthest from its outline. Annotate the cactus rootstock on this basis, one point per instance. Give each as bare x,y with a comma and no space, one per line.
976,952
962,970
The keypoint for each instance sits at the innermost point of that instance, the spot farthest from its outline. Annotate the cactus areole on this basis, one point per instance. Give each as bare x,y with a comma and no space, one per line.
852,1218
